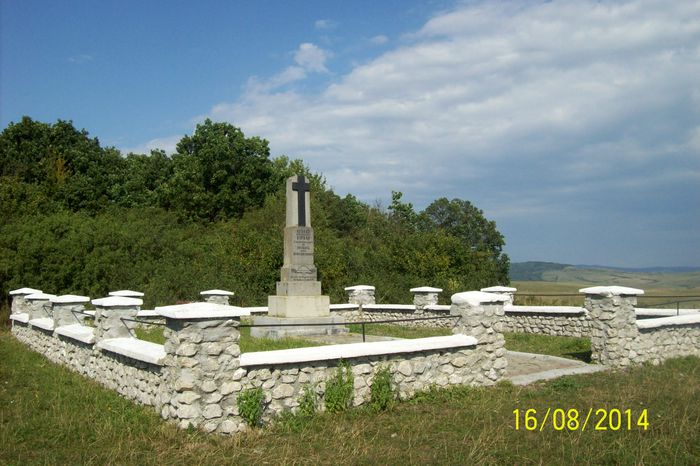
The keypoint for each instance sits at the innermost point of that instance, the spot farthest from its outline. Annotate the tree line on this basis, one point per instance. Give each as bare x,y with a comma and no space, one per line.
81,218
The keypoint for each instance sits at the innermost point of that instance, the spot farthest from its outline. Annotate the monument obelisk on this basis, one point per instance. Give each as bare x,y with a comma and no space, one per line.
298,299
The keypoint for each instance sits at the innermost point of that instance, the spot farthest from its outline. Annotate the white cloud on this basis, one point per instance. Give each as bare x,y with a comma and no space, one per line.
324,24
379,39
166,144
311,57
557,103
80,59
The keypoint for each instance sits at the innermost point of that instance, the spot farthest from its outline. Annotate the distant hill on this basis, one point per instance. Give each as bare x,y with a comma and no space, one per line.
656,277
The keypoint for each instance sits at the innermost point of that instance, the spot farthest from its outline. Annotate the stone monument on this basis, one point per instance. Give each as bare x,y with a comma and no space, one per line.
298,299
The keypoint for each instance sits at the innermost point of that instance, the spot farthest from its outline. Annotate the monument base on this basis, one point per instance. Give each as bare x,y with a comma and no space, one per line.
298,306
300,328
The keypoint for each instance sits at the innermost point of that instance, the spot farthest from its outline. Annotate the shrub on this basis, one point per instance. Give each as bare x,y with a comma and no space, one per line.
307,402
250,406
383,395
339,389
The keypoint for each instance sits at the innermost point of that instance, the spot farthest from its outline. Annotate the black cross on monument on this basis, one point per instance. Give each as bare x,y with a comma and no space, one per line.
302,187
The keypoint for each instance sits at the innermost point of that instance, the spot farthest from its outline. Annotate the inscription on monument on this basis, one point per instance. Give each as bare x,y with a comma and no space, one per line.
303,242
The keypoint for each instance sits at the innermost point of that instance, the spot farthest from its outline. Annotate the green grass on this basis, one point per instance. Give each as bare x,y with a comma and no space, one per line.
564,347
58,417
397,331
248,344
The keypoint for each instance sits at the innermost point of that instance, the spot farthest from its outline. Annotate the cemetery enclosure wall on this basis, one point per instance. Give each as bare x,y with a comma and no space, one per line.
656,344
398,313
284,385
137,380
548,320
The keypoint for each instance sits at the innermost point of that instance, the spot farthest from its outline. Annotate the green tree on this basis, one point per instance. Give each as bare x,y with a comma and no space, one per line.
219,173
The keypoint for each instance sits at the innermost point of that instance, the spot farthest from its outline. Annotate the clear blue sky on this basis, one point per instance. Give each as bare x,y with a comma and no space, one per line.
574,125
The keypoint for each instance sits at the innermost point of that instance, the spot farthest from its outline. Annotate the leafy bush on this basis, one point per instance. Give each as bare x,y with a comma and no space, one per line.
382,393
307,402
250,406
339,389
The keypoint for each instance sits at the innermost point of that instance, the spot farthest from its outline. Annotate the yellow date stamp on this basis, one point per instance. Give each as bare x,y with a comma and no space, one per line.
572,419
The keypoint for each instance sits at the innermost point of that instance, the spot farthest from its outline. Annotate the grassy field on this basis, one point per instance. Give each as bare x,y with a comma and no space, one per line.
58,417
545,288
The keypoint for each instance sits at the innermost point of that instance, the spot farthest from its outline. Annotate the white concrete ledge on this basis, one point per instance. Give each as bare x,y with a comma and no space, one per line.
70,299
355,350
135,349
21,317
389,307
425,289
216,293
39,297
92,313
126,293
201,311
665,321
609,291
664,312
23,291
573,310
77,332
148,313
499,289
359,288
438,308
476,298
45,322
344,307
117,301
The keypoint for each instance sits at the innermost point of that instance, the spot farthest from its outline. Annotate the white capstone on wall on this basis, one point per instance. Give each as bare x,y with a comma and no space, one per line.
424,296
216,296
507,291
360,294
19,303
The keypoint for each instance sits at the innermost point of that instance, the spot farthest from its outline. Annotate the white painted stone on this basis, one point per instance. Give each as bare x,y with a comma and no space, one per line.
117,301
77,332
437,307
201,311
24,291
39,297
499,289
546,309
359,288
476,298
388,307
344,307
45,322
216,293
426,289
353,350
22,317
665,321
609,291
135,349
70,299
126,293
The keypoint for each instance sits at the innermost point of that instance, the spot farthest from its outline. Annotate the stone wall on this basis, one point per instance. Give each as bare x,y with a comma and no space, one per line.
619,339
548,320
134,379
379,312
284,384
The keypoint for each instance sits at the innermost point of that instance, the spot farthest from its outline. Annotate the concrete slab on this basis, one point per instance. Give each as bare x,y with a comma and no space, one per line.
526,368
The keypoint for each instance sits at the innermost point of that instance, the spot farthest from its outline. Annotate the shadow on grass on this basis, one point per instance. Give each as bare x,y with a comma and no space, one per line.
584,356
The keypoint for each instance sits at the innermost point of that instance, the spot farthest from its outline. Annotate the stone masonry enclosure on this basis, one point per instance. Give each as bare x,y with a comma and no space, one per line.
196,377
